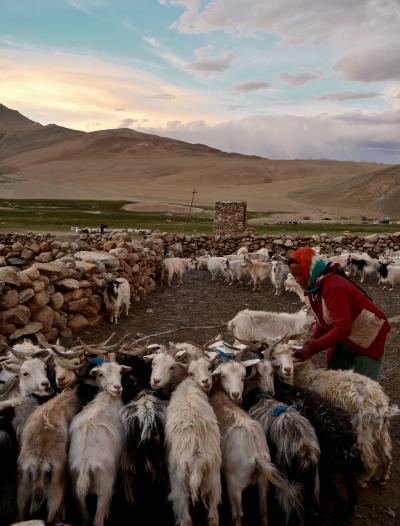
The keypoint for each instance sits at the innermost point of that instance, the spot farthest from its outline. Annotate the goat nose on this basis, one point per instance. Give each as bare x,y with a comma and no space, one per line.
236,395
288,369
117,387
60,378
206,381
156,381
45,384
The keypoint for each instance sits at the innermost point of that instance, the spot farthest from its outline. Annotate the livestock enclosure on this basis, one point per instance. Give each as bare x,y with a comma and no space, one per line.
203,302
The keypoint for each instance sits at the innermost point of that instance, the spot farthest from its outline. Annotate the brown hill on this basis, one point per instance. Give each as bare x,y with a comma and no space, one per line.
54,162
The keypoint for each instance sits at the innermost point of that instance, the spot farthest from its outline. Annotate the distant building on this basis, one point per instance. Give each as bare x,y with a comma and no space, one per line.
230,218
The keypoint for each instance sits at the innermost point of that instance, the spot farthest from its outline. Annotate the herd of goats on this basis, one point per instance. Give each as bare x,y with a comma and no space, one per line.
146,433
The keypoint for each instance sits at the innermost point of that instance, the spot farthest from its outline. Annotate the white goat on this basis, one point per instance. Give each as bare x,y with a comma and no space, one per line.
166,372
96,441
242,251
236,271
193,445
117,295
279,274
263,254
389,275
291,285
365,401
178,266
217,266
245,454
362,263
252,325
258,270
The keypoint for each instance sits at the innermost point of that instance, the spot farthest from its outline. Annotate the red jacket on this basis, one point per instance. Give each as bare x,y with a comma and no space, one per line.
345,315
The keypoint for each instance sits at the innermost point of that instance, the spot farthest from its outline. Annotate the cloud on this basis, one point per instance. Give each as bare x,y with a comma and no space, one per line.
212,65
371,65
298,79
235,107
343,136
163,96
153,41
86,6
205,51
308,21
119,109
126,123
250,85
350,95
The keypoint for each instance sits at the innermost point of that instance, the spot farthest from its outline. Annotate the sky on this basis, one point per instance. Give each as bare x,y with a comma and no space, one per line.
281,79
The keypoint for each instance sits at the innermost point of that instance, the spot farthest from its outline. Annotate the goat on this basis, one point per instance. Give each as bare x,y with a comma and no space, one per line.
96,439
217,266
363,399
166,372
117,295
279,274
291,285
176,266
236,271
245,454
192,440
258,270
263,326
242,251
263,254
43,457
362,263
389,275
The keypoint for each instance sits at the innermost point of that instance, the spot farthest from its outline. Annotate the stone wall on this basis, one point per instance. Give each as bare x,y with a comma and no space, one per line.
56,287
374,244
230,218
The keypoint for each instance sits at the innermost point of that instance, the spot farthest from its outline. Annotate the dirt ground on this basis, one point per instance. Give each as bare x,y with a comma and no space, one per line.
203,302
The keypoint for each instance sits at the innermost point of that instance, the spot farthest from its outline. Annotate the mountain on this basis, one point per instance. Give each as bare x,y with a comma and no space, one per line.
51,161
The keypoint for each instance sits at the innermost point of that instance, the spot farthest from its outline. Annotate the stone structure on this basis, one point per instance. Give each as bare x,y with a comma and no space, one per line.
230,218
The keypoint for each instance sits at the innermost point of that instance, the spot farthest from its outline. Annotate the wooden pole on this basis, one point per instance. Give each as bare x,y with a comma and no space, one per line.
191,204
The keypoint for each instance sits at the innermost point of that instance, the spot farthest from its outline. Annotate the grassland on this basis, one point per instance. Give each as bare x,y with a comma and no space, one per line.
61,214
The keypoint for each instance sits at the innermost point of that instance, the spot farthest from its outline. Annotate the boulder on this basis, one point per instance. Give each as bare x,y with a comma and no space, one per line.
9,275
38,285
75,306
31,272
19,315
30,328
9,299
97,255
45,315
51,269
25,295
67,284
25,281
39,300
15,261
27,254
17,246
77,323
7,328
57,300
44,257
86,268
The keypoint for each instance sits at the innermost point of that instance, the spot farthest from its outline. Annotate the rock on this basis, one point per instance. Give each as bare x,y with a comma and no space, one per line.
89,310
44,257
66,333
86,268
119,252
288,243
45,315
31,272
338,239
7,328
95,320
25,281
57,300
35,247
84,283
30,328
38,285
67,284
9,275
17,246
39,300
96,301
97,255
51,335
77,323
25,295
51,269
27,254
19,315
75,306
59,321
3,261
15,261
109,245
44,246
77,294
9,299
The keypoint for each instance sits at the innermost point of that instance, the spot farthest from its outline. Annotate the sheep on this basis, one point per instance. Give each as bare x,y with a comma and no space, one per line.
279,274
251,325
389,275
43,457
117,295
192,440
258,270
291,285
245,453
362,398
178,266
95,442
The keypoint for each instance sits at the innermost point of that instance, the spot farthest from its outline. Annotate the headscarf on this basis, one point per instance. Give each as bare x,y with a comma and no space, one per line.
311,264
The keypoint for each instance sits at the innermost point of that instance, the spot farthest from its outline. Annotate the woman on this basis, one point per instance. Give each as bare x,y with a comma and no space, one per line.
349,325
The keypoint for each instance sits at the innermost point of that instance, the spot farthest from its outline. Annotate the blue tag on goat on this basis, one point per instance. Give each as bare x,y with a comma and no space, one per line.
96,361
279,409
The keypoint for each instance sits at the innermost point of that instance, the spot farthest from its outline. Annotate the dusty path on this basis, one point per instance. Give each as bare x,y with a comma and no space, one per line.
203,302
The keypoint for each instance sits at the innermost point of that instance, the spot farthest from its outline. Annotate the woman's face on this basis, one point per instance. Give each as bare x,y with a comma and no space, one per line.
298,275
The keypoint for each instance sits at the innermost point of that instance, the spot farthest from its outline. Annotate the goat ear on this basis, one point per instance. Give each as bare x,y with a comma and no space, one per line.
249,363
181,354
217,370
149,357
12,367
94,371
184,365
125,368
212,355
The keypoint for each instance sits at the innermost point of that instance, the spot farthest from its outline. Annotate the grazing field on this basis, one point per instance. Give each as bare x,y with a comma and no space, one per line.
60,214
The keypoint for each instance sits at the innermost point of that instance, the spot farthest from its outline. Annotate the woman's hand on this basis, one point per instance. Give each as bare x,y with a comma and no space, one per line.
305,353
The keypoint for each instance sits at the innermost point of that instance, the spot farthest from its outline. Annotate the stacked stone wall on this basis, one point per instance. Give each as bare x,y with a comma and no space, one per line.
230,218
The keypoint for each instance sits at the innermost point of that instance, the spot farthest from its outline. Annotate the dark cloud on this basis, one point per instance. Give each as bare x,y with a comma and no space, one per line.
250,85
212,65
298,79
371,65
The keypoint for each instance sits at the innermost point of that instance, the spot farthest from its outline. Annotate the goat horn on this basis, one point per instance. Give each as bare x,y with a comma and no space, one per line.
67,355
42,340
70,366
92,350
115,346
21,356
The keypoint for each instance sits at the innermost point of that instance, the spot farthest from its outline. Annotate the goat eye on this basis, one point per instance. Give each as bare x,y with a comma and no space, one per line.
100,374
25,374
171,368
209,369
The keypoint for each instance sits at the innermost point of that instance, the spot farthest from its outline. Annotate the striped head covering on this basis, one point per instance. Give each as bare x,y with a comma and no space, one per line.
311,264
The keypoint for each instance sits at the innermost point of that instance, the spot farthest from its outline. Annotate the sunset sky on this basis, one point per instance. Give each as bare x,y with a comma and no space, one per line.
278,78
